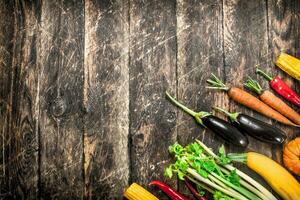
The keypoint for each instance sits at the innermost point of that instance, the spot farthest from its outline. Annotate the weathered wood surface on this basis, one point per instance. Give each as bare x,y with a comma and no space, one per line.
82,106
106,97
6,72
61,81
152,71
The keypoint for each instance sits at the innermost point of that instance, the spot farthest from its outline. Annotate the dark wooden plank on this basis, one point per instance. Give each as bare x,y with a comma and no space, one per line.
6,55
283,36
106,92
23,136
200,52
245,47
152,72
60,53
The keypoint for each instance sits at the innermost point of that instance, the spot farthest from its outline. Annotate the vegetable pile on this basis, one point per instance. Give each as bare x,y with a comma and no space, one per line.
248,100
219,126
255,128
213,173
273,101
278,85
212,176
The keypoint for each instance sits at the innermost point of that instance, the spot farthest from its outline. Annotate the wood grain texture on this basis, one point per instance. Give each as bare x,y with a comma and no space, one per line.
83,112
6,57
106,99
200,53
60,54
152,72
245,47
23,144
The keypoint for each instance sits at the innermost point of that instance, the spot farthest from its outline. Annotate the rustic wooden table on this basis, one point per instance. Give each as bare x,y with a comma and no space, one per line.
82,106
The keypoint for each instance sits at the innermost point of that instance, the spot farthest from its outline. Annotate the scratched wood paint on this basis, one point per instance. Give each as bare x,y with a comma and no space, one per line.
82,106
106,98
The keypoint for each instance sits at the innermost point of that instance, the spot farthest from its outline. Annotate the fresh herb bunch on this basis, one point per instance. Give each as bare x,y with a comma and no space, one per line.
208,171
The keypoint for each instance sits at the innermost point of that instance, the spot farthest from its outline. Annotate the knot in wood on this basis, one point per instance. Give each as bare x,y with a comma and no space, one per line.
58,107
171,116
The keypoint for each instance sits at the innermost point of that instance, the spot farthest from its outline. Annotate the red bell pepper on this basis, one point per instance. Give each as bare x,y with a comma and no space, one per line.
173,194
281,87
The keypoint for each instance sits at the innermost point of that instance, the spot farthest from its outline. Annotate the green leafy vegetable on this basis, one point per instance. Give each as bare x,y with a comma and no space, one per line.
198,163
176,149
169,171
222,156
221,196
234,178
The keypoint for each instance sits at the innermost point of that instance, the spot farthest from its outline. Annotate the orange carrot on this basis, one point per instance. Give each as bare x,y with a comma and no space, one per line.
270,99
248,100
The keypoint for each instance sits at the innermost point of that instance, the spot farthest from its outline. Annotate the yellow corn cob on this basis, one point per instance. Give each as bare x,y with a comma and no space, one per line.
137,192
289,64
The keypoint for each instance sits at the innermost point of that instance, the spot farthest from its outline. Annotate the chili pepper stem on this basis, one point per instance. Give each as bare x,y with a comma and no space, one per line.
253,85
232,116
264,74
196,115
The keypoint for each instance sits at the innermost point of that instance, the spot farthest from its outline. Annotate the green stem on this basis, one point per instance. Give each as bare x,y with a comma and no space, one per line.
216,83
232,116
240,173
242,190
264,74
220,183
196,115
200,184
253,85
248,186
238,157
211,184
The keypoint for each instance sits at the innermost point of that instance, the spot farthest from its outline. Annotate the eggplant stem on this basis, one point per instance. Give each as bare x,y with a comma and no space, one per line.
264,74
216,83
197,115
232,116
253,85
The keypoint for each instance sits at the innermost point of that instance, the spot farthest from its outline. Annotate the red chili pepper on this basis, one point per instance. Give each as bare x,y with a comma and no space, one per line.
281,88
194,191
173,194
